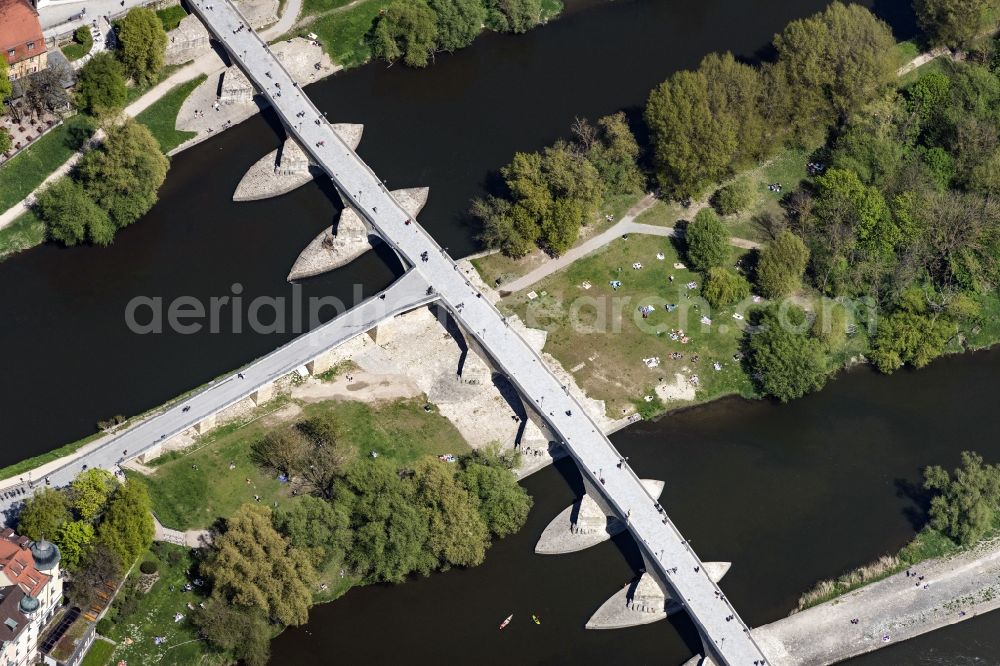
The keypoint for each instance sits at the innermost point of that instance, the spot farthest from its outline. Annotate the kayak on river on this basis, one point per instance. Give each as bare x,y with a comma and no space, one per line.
507,621
535,619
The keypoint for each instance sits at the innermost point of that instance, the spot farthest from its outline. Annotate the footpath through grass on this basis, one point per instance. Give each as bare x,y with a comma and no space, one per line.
191,489
342,33
161,116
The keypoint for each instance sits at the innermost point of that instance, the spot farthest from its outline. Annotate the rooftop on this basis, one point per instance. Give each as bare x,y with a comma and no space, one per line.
19,26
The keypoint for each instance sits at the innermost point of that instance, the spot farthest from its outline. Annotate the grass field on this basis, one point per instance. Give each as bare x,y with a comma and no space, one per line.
161,116
99,653
155,617
26,170
342,34
171,17
24,232
191,489
76,50
608,339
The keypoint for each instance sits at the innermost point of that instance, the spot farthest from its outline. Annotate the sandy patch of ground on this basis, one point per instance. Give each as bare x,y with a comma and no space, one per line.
363,387
678,390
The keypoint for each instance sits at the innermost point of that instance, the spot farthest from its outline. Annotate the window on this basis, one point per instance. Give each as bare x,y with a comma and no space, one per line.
10,52
31,46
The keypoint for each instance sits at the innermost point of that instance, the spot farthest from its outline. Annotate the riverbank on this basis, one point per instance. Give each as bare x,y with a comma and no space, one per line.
925,597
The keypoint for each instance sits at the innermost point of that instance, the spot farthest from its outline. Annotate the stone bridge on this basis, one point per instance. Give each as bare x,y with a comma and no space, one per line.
672,566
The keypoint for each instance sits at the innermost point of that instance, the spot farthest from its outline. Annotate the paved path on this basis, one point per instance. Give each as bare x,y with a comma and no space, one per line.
627,225
726,637
407,293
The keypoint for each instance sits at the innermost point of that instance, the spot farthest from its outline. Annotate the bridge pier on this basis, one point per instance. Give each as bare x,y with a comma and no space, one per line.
645,600
262,394
206,424
585,523
322,363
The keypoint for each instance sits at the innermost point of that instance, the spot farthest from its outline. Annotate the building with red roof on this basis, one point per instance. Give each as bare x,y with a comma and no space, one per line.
21,40
30,593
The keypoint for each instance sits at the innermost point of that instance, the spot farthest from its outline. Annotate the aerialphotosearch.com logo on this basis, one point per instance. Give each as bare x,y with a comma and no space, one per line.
232,313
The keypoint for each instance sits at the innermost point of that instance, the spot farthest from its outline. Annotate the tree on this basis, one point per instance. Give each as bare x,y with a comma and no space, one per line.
832,63
724,286
44,91
830,325
733,198
240,631
252,565
123,174
327,458
405,29
505,227
143,44
127,527
71,216
457,534
911,334
781,265
503,503
43,514
964,507
692,145
75,539
785,360
90,491
5,84
101,89
100,567
515,16
613,151
390,531
707,241
953,23
458,22
284,450
317,528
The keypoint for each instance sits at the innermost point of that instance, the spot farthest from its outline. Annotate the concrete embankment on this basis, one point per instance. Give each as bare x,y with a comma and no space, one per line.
932,595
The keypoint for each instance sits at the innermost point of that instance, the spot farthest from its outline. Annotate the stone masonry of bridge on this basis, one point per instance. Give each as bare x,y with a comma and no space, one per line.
666,553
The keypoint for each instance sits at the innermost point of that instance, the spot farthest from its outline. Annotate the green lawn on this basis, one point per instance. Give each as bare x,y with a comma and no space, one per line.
608,339
155,617
76,50
24,232
191,489
135,91
26,170
342,34
171,17
99,653
161,116
310,7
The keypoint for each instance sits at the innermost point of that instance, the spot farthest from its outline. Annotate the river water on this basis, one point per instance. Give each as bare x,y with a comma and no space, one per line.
788,493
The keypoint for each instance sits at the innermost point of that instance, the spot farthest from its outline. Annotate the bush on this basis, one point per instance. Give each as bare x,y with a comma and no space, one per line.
105,626
724,286
149,567
707,241
732,198
174,557
82,35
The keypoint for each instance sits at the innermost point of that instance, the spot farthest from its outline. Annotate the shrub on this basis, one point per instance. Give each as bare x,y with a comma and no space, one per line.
724,286
707,241
149,567
104,626
732,198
